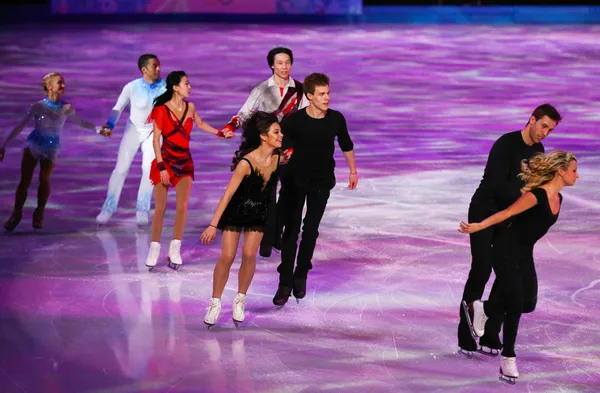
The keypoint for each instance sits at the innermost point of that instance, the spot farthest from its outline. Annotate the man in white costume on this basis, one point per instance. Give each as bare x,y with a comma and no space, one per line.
139,94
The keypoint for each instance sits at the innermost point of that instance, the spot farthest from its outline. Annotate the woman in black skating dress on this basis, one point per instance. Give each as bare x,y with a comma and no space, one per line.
244,208
515,289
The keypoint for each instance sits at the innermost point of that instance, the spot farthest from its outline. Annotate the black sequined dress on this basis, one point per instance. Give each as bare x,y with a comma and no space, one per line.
248,209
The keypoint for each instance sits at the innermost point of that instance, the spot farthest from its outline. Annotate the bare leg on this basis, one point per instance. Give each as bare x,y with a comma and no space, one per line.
249,249
160,202
221,273
183,189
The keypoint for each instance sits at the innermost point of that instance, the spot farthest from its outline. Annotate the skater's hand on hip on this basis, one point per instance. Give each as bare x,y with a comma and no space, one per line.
353,181
469,228
164,178
208,235
2,151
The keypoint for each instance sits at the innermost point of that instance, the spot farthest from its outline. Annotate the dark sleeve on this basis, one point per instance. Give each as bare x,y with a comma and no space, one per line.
287,127
497,170
342,135
539,194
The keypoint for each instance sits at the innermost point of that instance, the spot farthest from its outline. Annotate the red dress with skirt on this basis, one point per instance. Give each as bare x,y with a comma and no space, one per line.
175,147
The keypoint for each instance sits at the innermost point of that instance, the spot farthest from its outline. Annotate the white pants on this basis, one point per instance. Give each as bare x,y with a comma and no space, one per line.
132,140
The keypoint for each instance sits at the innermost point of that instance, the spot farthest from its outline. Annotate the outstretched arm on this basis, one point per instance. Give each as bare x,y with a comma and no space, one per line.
17,130
72,116
526,202
245,112
204,126
242,170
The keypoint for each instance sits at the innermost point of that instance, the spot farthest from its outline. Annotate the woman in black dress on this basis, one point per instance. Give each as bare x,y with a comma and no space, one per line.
515,289
244,207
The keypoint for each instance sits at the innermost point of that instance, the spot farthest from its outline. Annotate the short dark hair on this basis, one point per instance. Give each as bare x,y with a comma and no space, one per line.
144,59
313,80
275,51
546,110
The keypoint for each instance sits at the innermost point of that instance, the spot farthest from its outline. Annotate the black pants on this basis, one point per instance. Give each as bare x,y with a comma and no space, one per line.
277,209
315,198
514,292
481,269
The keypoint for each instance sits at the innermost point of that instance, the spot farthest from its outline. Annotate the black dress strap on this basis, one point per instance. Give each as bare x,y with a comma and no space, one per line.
249,163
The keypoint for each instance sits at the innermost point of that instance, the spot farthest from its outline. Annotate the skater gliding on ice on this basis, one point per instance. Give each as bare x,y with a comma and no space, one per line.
515,289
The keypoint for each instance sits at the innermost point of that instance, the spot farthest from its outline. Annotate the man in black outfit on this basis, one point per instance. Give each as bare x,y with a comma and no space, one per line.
499,188
309,178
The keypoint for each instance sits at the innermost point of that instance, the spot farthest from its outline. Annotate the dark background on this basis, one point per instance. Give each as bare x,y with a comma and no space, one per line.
401,2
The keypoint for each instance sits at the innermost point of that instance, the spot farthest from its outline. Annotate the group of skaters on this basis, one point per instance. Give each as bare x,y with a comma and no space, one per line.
288,138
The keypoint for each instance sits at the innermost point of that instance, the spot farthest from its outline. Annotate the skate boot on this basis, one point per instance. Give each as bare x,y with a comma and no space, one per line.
238,308
13,221
476,317
508,370
282,296
299,290
212,313
38,218
103,217
141,217
489,347
174,256
153,255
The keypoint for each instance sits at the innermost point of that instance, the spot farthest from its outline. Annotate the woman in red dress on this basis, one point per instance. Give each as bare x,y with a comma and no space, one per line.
173,118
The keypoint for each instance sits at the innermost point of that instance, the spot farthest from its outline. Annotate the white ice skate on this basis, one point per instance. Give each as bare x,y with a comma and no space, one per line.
508,370
174,256
153,255
476,317
238,308
141,218
103,217
213,311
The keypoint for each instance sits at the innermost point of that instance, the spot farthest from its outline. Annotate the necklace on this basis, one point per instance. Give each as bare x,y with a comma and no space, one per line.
259,161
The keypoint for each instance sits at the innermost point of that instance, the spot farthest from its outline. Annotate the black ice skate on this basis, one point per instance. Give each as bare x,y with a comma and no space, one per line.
299,290
282,296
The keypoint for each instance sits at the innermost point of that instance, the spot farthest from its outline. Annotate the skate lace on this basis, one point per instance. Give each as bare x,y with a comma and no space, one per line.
213,307
239,300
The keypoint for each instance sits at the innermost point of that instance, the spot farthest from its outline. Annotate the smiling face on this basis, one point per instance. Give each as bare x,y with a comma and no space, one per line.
282,66
274,137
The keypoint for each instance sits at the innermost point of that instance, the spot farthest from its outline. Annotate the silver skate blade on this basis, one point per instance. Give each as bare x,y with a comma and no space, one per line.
467,354
465,307
508,380
487,351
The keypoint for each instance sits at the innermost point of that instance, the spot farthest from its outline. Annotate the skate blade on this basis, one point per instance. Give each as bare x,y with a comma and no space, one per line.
467,354
507,379
491,352
150,268
172,265
208,326
237,323
465,307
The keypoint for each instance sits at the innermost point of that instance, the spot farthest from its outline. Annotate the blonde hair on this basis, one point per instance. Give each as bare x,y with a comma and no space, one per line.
542,168
46,80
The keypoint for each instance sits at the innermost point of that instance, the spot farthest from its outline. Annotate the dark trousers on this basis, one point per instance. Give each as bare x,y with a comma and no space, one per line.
514,292
316,201
277,209
481,269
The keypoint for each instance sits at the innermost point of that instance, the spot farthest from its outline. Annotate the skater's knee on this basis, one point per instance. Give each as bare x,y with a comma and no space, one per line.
160,207
227,259
181,208
248,257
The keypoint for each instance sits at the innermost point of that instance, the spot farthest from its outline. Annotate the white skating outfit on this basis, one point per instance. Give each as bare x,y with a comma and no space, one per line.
268,97
139,95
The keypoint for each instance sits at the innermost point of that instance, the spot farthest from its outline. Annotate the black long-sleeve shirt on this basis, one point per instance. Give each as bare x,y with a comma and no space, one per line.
313,143
501,186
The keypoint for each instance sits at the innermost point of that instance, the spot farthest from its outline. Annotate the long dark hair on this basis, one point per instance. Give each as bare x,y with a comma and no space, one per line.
254,127
173,79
